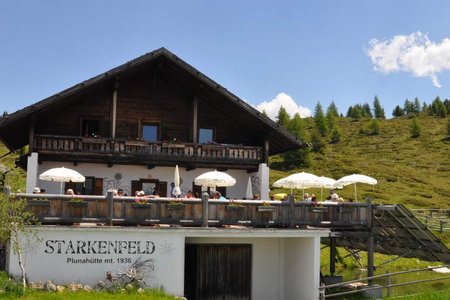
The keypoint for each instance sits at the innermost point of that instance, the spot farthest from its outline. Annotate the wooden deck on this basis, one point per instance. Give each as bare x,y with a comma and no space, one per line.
61,209
130,151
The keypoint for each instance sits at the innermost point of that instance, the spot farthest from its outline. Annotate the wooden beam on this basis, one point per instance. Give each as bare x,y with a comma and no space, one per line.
31,134
266,150
114,109
195,121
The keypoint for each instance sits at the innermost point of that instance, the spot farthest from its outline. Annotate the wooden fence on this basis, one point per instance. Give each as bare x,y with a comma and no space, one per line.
62,209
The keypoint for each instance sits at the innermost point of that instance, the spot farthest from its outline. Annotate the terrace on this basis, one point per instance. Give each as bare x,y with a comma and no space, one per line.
132,211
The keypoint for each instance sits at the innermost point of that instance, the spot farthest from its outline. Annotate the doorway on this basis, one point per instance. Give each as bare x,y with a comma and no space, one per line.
218,272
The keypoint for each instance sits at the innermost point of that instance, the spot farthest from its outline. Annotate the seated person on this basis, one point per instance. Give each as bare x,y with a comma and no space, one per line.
70,192
313,198
219,196
306,197
189,194
36,190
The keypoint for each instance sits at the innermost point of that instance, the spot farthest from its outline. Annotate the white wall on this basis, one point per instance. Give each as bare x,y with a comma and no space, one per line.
44,261
285,262
120,176
32,172
282,268
302,256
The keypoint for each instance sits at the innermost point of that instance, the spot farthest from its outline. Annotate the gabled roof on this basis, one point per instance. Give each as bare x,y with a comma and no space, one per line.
14,127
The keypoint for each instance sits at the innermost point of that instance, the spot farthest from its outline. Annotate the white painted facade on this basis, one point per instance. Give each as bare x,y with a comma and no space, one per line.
285,262
120,176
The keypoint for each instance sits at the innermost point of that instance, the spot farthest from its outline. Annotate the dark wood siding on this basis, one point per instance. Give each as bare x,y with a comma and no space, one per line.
218,272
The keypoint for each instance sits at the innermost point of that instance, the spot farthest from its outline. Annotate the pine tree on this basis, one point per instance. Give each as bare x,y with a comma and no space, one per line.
317,141
331,119
332,109
416,106
415,128
336,134
264,113
425,109
378,110
367,112
374,127
5,113
283,117
398,111
437,108
319,118
408,107
297,128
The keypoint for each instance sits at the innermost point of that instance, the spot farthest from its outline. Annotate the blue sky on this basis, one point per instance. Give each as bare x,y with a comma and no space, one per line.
269,53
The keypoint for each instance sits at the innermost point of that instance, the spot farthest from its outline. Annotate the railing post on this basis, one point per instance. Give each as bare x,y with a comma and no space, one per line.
110,203
332,255
371,241
388,285
441,226
291,211
205,214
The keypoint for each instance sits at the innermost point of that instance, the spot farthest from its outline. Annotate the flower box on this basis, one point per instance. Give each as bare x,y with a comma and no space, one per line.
234,207
77,203
141,205
265,208
39,203
173,206
318,209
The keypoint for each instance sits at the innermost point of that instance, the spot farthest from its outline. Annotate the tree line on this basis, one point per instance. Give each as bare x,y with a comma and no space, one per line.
326,130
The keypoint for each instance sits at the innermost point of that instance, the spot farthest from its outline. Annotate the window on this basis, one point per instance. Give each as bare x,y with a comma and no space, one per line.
90,128
150,132
205,135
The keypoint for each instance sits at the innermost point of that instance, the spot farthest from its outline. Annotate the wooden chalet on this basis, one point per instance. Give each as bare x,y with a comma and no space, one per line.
128,127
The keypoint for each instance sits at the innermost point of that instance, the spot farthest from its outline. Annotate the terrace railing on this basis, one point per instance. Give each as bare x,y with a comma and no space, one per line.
157,150
62,209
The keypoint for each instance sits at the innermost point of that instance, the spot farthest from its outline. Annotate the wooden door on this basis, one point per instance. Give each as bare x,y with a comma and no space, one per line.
218,272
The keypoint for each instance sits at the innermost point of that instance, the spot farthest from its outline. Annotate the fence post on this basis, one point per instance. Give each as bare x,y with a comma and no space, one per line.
388,285
291,211
370,242
205,214
110,203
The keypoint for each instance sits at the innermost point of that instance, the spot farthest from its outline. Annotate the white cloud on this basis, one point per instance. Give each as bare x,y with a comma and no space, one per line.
282,99
413,53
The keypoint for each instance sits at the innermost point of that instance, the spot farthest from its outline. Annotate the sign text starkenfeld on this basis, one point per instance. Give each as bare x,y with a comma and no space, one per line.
98,247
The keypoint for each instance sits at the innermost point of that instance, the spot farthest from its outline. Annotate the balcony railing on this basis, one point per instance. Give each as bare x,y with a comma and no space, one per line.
62,209
156,150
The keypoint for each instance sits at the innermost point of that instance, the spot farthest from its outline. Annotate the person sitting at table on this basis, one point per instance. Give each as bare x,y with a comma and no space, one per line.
306,197
36,190
70,192
219,196
189,194
313,198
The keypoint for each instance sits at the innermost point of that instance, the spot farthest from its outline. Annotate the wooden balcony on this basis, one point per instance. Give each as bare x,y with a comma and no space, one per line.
82,149
61,209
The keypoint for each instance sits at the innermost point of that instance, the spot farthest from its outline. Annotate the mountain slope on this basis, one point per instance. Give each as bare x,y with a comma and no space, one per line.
412,171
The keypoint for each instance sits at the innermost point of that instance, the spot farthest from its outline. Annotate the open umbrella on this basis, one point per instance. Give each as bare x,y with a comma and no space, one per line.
354,179
301,180
215,179
328,183
249,192
176,181
62,175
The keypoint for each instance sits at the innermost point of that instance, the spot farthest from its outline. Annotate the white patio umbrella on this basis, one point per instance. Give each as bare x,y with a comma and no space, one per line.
249,192
354,179
62,175
328,183
176,181
215,179
301,180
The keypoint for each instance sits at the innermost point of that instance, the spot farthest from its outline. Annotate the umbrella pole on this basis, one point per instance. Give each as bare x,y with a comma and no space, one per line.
356,197
61,188
321,193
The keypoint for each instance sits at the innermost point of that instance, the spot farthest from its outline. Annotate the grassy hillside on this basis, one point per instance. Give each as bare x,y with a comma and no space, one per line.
16,177
412,171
